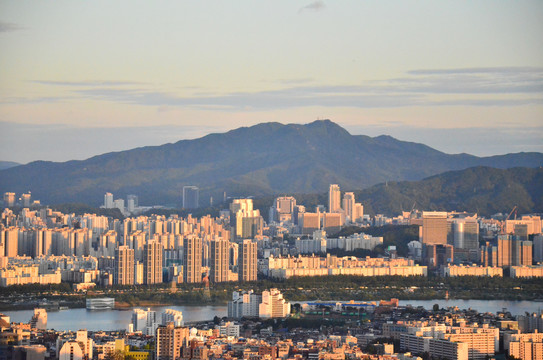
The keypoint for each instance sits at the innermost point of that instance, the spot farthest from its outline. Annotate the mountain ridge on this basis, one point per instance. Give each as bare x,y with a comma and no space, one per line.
258,160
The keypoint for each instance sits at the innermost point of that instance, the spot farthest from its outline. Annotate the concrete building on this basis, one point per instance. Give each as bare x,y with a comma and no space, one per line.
124,266
9,199
219,260
192,259
334,198
191,195
152,262
247,262
349,206
169,341
273,305
434,228
108,201
462,270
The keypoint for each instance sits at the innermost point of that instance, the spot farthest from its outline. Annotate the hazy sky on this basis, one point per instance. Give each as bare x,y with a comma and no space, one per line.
80,78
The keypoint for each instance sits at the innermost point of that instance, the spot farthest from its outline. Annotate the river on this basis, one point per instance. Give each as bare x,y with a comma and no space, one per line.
75,319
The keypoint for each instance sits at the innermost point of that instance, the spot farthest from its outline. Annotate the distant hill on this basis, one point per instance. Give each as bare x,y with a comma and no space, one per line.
480,189
484,190
264,159
7,164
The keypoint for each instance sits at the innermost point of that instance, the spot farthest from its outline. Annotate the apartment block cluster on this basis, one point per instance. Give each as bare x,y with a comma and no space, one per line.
300,220
450,242
44,246
39,245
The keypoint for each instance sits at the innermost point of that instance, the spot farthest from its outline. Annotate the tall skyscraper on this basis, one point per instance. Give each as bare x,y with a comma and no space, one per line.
220,251
108,201
191,196
247,263
152,262
25,199
334,198
434,227
124,266
192,259
349,206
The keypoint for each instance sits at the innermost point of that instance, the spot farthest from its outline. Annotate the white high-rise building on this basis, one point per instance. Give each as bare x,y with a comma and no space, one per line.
172,316
144,321
108,201
334,198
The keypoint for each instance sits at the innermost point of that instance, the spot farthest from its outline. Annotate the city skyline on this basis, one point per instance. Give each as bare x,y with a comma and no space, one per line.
81,79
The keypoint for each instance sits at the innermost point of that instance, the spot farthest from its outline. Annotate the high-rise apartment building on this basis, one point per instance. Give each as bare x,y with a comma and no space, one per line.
131,203
434,227
220,251
25,199
513,251
245,222
192,259
349,206
124,266
9,199
108,201
247,263
152,262
169,341
334,198
191,196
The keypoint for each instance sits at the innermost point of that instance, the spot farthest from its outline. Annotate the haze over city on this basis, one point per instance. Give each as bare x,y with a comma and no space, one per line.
79,79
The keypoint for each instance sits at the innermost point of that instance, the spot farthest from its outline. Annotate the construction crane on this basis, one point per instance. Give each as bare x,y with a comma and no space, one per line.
515,208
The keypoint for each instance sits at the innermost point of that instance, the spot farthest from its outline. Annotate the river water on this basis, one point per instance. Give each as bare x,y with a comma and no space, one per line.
75,319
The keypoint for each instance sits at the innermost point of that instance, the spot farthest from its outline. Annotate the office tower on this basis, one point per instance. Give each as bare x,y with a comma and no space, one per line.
220,251
124,266
283,209
169,341
332,222
108,201
152,262
247,263
349,206
434,227
334,198
190,197
25,200
131,203
465,233
309,222
192,259
538,248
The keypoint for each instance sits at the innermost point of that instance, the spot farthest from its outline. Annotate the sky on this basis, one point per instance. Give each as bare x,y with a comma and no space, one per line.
82,78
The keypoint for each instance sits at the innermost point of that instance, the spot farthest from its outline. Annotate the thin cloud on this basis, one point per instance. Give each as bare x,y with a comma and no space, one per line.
85,83
505,86
314,6
9,27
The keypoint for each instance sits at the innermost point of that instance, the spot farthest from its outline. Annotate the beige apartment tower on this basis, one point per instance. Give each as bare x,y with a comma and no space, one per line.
220,255
192,259
152,262
247,263
334,198
124,266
